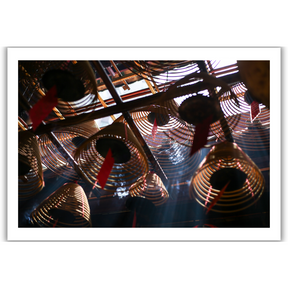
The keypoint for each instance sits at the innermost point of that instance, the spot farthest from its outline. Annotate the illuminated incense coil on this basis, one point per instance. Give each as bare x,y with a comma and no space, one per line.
193,84
169,125
30,174
151,187
244,125
198,108
70,138
32,72
130,159
66,207
227,162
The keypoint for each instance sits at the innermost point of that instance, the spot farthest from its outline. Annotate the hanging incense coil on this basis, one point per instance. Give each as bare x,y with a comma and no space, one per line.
70,138
196,109
189,87
168,124
75,81
66,207
226,164
151,187
130,162
256,77
30,174
245,126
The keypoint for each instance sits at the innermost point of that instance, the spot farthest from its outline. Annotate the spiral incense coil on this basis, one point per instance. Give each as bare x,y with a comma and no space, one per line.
71,138
31,83
161,71
258,131
196,109
189,86
227,164
30,174
67,207
151,187
130,162
169,125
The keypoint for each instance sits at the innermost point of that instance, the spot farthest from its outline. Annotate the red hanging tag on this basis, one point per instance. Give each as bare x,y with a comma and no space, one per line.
134,219
105,169
154,129
201,134
217,197
43,107
255,110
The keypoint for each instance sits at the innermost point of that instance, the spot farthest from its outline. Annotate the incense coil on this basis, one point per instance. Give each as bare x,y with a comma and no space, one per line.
123,174
30,174
31,75
151,187
246,180
242,132
160,72
198,108
190,87
53,159
66,207
169,125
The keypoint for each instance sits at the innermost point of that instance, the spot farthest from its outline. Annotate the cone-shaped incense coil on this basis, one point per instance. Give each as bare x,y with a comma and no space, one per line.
168,124
66,207
227,164
30,174
196,109
150,187
239,115
71,138
130,162
78,71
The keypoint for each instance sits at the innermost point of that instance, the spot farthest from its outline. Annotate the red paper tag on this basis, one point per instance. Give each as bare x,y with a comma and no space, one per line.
201,134
255,110
154,129
217,197
105,169
134,219
43,107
